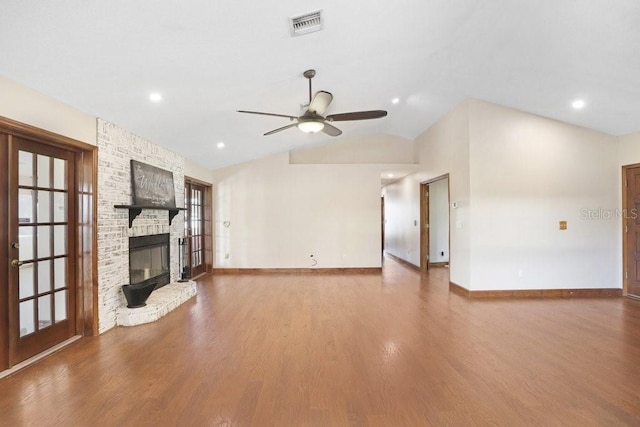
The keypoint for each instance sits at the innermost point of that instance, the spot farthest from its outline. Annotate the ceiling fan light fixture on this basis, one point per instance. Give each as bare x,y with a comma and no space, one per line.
311,126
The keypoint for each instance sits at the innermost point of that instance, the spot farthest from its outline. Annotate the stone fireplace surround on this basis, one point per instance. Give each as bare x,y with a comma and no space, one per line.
116,148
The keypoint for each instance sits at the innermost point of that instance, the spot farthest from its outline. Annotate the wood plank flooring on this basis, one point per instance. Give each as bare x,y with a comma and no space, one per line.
395,349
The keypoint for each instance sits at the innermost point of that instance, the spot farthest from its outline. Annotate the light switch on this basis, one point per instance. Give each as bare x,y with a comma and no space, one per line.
563,225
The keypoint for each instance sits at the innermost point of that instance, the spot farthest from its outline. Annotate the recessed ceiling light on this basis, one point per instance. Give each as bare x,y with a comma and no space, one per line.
395,100
390,175
578,104
155,97
220,144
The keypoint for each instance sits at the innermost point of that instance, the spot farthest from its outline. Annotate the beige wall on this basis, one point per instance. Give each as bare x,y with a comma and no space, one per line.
514,176
193,170
441,149
629,149
527,174
279,214
27,106
372,149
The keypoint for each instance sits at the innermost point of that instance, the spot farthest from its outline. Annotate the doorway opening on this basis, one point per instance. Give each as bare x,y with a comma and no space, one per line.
434,223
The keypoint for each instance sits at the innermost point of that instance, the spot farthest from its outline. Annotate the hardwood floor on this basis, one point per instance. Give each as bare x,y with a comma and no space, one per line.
345,349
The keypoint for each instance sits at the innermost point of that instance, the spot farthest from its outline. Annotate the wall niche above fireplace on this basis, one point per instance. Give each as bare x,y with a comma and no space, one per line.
149,260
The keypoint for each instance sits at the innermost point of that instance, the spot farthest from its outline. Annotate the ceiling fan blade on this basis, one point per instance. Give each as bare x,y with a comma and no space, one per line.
267,114
331,130
320,102
280,129
357,115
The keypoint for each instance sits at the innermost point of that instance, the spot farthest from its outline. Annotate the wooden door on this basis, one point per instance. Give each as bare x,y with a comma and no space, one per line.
4,254
632,231
382,223
41,248
424,227
195,227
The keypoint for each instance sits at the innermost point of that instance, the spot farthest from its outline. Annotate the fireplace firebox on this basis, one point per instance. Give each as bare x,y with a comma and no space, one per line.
149,260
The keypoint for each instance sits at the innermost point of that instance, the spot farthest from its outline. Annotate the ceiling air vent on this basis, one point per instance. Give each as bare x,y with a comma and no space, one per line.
306,23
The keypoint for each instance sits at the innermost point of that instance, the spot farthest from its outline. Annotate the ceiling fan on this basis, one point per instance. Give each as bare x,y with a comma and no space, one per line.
313,121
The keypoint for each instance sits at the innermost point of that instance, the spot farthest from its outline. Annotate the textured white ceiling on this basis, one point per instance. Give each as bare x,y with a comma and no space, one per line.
210,58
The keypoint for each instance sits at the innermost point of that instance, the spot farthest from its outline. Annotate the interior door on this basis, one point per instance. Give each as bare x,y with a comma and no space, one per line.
382,223
424,227
41,247
632,228
4,255
195,227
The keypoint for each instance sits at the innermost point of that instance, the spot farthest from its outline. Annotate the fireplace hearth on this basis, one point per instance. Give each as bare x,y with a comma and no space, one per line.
149,260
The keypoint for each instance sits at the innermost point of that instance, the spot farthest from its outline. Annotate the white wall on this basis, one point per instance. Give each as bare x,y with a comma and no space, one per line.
527,174
441,149
439,221
27,106
279,214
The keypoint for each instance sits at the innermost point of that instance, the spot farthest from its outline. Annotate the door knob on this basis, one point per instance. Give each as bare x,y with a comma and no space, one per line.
16,263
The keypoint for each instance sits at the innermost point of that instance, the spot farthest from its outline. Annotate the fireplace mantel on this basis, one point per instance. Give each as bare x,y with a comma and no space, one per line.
135,210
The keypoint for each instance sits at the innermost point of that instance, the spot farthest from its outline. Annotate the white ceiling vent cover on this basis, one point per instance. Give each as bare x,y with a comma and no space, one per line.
306,23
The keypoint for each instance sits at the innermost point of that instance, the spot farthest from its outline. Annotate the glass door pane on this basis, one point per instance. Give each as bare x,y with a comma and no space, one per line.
195,204
43,248
42,195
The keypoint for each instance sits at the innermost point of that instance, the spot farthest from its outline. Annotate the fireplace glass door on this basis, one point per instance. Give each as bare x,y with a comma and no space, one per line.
149,260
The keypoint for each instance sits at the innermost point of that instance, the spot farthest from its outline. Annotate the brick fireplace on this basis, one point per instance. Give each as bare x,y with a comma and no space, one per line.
116,148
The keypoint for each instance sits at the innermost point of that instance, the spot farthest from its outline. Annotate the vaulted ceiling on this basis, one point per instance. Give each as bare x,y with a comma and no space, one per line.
211,58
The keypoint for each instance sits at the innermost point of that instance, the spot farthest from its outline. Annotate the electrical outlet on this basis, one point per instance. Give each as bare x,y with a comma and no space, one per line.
563,225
